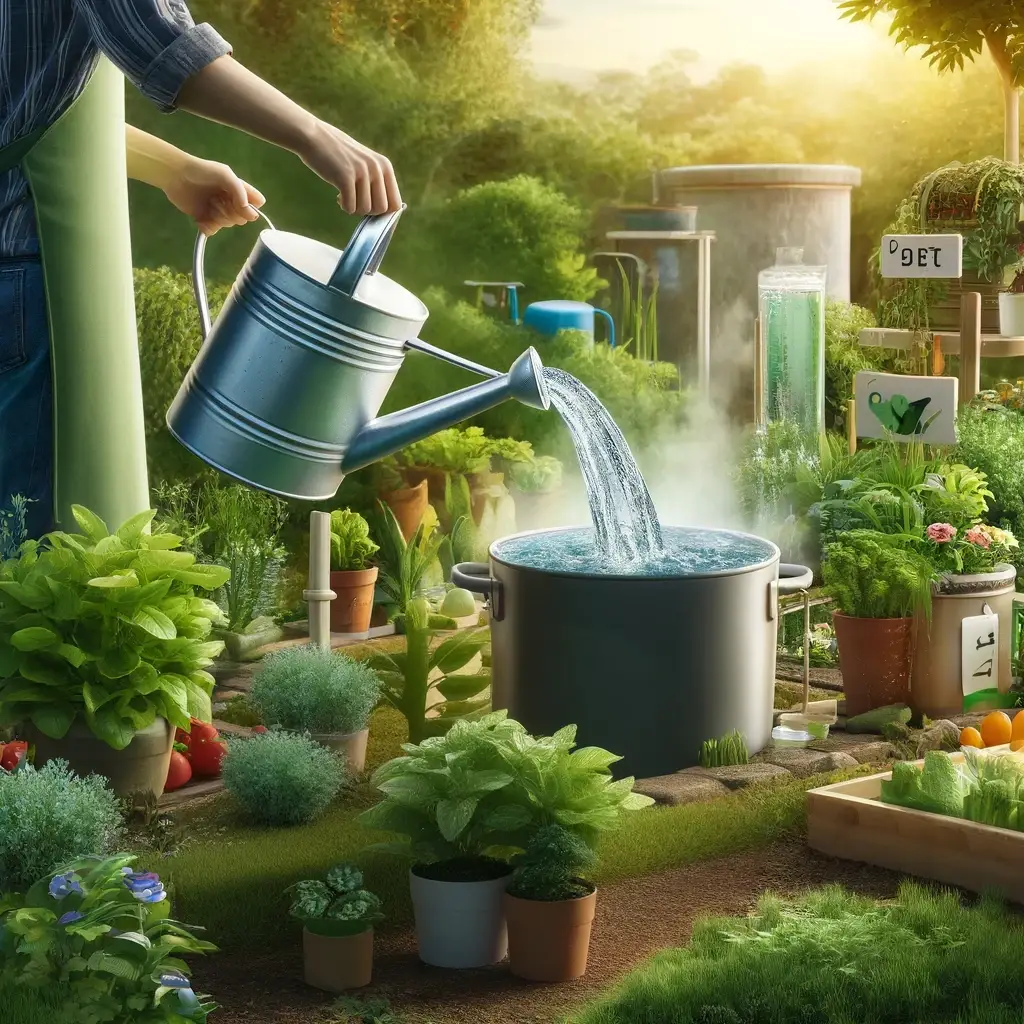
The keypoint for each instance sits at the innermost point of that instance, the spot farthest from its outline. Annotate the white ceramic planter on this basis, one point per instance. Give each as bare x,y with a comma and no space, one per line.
459,924
350,745
1011,314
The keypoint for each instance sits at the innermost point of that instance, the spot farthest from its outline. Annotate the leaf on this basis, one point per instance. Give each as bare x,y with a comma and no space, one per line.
155,622
118,966
114,729
89,523
415,791
199,704
462,708
486,781
457,651
131,530
95,696
174,688
209,577
636,802
593,759
72,655
119,580
38,668
118,662
9,661
460,688
54,721
27,596
454,815
508,818
35,638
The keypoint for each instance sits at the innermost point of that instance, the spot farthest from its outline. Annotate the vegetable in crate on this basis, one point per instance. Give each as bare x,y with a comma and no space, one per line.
940,787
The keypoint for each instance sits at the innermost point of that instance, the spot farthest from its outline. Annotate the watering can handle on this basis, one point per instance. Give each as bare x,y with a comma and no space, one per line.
364,252
611,324
199,276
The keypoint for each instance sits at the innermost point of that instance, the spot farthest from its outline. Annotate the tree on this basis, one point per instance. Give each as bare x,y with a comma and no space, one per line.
953,31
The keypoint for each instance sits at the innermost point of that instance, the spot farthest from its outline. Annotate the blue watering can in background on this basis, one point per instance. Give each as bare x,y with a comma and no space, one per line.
562,315
285,391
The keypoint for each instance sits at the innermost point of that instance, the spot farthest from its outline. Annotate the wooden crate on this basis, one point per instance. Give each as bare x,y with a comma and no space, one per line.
848,820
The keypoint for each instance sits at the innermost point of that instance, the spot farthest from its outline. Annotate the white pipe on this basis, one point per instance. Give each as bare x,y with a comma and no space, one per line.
319,594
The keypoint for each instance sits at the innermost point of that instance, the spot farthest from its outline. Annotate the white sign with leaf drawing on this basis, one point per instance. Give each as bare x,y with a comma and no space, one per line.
898,407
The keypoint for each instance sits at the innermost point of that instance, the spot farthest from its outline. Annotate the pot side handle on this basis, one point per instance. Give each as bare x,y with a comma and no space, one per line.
794,578
477,579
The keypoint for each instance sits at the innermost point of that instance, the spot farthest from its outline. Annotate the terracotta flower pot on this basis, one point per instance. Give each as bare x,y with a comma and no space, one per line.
337,963
408,506
936,687
434,477
350,745
549,941
876,657
352,608
138,768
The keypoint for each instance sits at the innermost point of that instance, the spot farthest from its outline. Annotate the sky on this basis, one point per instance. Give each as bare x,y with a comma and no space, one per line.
576,38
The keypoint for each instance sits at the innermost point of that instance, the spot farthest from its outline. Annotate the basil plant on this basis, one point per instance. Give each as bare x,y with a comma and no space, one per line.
106,628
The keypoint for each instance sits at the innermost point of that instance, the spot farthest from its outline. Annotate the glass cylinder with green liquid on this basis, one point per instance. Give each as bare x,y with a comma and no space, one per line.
791,305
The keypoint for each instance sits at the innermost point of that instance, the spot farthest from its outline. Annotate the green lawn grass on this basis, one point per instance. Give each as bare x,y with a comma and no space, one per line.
230,878
834,958
31,1006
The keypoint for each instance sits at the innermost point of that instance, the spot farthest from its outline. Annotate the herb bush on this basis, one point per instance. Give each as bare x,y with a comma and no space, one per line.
281,778
834,958
311,689
552,867
845,357
49,816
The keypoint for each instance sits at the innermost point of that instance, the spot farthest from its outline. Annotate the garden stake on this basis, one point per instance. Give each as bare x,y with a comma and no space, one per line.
319,595
970,347
807,649
759,420
851,424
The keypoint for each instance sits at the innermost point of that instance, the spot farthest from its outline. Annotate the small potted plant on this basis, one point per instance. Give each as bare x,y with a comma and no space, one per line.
337,918
550,908
114,653
536,491
878,583
330,696
408,503
1011,305
352,577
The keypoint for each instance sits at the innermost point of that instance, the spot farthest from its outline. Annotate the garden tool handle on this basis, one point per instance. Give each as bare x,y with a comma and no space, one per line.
199,276
794,578
477,579
364,252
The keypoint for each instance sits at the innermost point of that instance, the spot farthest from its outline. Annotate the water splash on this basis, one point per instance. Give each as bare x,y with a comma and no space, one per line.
627,531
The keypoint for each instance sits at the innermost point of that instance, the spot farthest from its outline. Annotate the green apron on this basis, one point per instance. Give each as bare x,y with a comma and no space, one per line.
76,171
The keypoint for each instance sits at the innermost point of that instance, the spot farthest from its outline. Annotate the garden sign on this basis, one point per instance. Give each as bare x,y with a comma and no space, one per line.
935,256
897,407
979,653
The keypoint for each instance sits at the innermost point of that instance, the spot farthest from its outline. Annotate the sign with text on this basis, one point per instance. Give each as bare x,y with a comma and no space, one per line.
898,407
979,652
938,256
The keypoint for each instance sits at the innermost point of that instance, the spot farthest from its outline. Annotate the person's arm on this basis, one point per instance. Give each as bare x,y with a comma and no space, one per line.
176,63
210,193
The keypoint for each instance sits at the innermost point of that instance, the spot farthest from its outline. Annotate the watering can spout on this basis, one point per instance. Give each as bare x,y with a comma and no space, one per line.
387,434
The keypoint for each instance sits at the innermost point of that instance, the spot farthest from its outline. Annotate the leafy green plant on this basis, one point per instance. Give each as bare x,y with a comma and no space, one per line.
107,627
872,576
978,550
351,546
639,319
13,532
281,778
338,906
454,450
845,357
541,476
104,931
551,867
406,682
236,527
404,564
726,750
49,816
239,710
311,689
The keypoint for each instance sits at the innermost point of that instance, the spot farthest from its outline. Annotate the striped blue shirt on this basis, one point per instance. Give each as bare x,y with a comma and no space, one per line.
49,48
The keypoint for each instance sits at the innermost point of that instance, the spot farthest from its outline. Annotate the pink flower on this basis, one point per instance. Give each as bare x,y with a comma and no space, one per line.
975,535
941,533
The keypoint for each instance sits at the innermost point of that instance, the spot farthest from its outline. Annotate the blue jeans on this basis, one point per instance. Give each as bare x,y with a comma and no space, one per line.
26,393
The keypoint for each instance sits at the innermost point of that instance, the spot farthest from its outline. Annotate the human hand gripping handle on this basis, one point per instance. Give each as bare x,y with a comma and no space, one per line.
226,92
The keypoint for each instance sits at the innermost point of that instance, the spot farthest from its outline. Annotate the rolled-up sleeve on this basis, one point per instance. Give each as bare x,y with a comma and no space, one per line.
155,43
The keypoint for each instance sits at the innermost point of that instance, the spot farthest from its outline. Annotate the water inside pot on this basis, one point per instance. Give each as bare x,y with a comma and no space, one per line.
686,551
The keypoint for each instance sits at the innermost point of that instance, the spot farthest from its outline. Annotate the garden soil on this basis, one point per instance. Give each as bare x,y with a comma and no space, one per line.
635,918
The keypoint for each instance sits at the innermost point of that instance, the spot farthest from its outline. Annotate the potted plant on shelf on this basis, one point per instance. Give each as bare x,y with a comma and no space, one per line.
549,907
1011,306
408,503
104,649
352,577
330,696
536,491
465,451
878,582
974,577
337,918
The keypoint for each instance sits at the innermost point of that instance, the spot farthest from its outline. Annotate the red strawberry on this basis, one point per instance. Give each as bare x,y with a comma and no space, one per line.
13,753
206,756
179,771
258,728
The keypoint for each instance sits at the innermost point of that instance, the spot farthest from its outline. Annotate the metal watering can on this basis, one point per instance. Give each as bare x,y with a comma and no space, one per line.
285,391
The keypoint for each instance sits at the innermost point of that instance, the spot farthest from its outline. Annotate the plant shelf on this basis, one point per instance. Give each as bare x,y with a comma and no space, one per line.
848,820
993,346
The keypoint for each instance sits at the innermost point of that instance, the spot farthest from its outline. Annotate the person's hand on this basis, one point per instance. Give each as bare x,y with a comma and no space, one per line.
212,195
365,180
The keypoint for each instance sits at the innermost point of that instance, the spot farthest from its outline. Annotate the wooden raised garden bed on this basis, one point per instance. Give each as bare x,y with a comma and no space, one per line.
848,820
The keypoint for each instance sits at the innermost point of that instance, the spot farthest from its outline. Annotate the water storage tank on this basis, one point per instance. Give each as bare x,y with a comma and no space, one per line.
754,209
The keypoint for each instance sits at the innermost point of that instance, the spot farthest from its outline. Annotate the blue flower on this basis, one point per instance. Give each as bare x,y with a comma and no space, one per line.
176,980
64,885
70,917
145,886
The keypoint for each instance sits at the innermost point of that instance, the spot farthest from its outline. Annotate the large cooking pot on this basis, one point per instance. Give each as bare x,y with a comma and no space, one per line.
646,666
